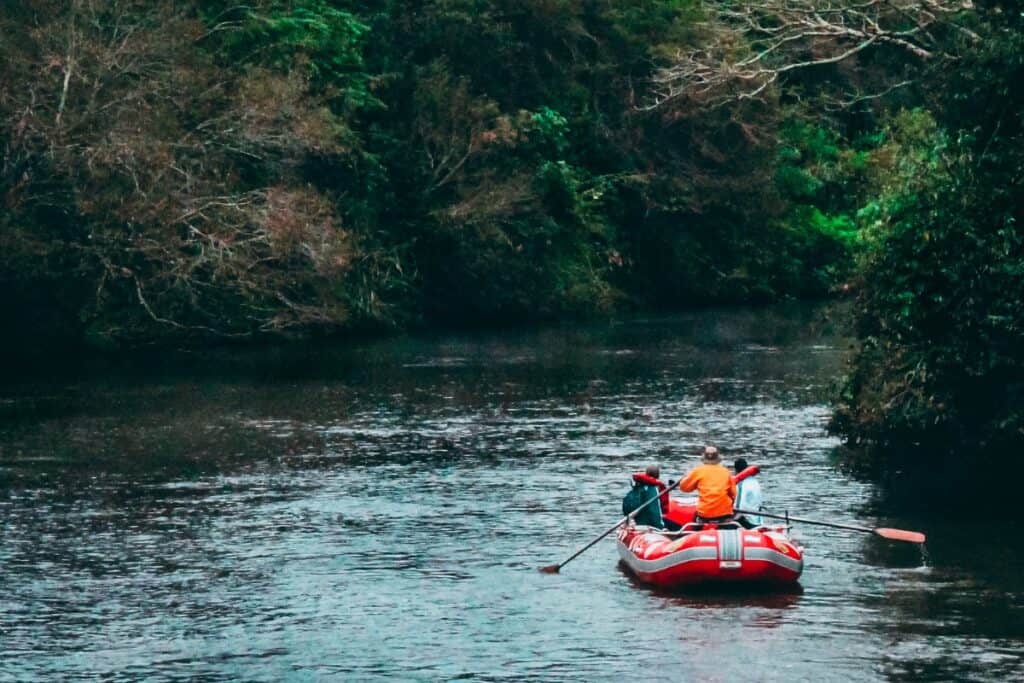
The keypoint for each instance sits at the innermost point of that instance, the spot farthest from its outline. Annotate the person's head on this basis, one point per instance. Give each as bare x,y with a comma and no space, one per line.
653,470
740,465
710,456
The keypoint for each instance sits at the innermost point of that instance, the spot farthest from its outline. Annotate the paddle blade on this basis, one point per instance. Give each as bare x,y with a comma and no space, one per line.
550,569
901,535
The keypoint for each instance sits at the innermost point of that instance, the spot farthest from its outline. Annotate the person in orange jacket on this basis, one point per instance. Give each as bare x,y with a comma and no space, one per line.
715,490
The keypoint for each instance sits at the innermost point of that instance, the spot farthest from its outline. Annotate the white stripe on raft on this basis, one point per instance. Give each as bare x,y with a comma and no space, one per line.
775,557
706,553
671,560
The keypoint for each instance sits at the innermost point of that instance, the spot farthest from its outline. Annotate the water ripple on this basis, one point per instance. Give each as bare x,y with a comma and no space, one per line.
382,517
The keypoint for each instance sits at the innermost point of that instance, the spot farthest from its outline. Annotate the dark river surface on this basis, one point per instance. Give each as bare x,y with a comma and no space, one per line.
378,511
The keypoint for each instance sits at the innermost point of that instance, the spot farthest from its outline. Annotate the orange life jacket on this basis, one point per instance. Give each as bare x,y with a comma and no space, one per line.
715,490
751,471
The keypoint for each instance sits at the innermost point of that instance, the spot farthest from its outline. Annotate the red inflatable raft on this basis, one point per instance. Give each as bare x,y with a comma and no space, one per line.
725,553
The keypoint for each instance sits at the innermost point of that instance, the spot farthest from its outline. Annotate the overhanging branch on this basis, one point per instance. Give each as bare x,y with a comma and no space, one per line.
748,47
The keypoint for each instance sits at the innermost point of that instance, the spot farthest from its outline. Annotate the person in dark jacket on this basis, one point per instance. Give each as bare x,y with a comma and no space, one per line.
646,485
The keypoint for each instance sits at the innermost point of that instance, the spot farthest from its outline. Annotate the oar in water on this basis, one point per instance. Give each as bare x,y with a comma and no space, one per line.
891,534
555,568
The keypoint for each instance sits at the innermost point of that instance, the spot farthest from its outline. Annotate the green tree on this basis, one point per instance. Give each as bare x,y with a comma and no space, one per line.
941,363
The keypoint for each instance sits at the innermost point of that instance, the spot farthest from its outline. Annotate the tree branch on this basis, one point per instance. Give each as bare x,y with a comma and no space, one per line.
749,46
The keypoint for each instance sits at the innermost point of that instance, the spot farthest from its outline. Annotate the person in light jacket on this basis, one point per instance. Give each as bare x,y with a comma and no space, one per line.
748,493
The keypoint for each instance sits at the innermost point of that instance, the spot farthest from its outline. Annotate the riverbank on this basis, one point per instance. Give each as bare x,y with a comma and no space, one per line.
53,355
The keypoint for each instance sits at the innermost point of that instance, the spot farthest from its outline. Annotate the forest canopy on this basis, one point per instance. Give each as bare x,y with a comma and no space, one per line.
204,169
187,171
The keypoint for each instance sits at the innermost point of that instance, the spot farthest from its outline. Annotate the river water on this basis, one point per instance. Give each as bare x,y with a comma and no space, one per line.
378,511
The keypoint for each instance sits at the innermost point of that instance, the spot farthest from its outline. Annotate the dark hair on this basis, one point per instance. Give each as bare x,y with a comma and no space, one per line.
740,465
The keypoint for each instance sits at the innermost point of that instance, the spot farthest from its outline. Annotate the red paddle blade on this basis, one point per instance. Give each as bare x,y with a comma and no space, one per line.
901,535
550,569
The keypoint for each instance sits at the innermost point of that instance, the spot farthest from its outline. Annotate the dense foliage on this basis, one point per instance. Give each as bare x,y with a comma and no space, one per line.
940,315
181,171
208,169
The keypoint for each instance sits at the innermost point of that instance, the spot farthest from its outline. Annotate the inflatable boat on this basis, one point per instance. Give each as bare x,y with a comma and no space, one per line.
724,553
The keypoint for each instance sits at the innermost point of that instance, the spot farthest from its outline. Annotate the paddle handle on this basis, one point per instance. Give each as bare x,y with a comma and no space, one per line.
622,521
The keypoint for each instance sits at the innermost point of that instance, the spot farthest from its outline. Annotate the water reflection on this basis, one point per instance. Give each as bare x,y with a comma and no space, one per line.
720,596
378,511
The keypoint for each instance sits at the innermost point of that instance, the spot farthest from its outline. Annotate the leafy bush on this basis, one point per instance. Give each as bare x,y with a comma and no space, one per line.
940,367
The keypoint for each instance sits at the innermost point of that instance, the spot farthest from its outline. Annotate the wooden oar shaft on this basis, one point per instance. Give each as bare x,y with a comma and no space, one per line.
555,568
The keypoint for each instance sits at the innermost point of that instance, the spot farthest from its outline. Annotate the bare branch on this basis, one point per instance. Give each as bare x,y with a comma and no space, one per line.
749,46
857,99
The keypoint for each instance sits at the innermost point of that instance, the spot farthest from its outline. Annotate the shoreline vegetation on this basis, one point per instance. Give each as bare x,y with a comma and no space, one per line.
189,173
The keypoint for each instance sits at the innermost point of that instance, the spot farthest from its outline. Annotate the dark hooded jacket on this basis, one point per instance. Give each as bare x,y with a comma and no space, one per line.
644,488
